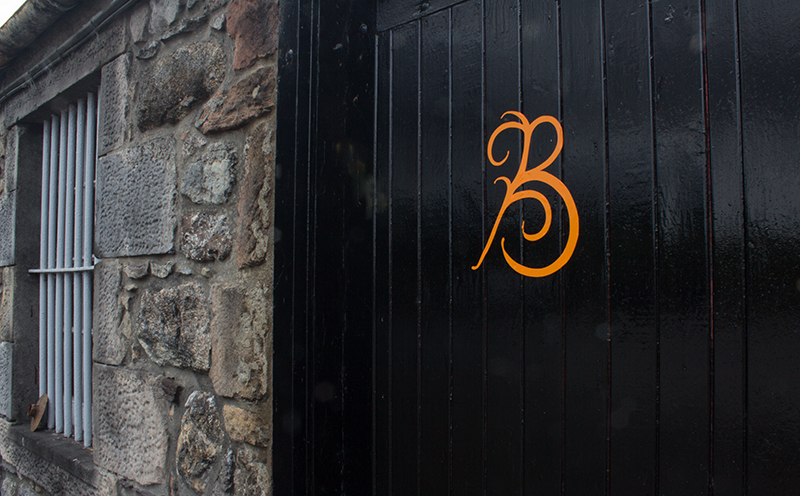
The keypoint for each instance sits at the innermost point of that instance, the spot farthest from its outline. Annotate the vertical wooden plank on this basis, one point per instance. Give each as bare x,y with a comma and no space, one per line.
469,235
728,253
435,253
382,265
354,157
770,56
631,250
683,288
504,301
585,275
327,244
543,321
291,256
405,312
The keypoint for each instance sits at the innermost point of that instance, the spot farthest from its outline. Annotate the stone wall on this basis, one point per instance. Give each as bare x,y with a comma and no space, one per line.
182,341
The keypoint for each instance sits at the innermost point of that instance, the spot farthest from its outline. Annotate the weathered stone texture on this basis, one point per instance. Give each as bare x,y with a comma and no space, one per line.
246,100
200,440
252,476
136,200
244,425
240,336
136,271
138,22
205,237
7,304
253,24
255,200
111,332
209,179
148,51
6,353
178,82
185,25
163,13
130,424
114,106
173,326
99,49
8,200
162,270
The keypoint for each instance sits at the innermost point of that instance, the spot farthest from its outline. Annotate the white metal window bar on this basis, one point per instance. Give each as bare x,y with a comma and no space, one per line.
65,265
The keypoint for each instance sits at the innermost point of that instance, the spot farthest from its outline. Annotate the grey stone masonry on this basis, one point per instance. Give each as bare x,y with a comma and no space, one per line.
136,200
114,104
6,352
111,321
130,424
8,201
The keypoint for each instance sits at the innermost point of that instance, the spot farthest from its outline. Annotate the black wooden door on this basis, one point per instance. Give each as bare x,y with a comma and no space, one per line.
658,359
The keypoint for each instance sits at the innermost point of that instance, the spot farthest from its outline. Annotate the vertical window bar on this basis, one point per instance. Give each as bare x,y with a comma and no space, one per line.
77,305
62,194
88,217
51,278
69,235
43,258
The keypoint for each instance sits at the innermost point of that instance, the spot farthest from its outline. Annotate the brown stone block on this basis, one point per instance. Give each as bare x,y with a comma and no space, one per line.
253,24
246,100
255,200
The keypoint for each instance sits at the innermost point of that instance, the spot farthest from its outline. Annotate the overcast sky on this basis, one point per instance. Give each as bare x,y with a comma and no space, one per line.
7,9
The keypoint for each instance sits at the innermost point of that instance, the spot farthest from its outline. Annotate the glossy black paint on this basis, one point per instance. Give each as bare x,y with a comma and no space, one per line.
659,360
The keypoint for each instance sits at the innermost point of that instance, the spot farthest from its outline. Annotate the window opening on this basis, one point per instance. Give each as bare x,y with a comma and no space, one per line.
65,268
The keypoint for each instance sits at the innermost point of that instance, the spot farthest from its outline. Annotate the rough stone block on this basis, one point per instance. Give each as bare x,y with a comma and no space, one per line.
138,22
209,179
255,199
130,424
239,336
246,100
173,327
163,13
7,304
6,374
162,270
252,476
99,49
200,440
114,108
136,200
244,425
253,24
178,82
8,200
111,336
205,237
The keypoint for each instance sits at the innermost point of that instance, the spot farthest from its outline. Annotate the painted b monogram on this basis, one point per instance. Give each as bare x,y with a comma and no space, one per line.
514,193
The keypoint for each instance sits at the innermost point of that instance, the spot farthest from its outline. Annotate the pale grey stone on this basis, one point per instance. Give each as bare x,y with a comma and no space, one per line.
185,25
148,51
136,200
200,440
218,22
192,142
256,198
161,270
136,271
209,179
240,339
205,237
179,81
111,334
138,22
6,373
163,13
8,200
114,104
173,327
130,424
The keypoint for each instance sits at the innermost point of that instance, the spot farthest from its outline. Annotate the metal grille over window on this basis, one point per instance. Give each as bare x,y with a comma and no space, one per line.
66,264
